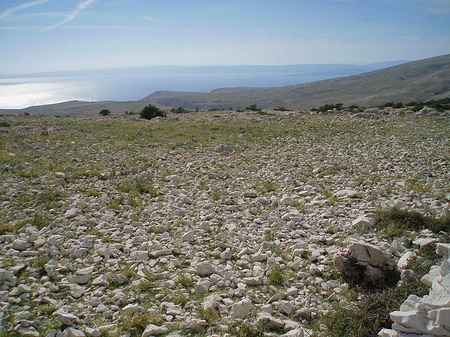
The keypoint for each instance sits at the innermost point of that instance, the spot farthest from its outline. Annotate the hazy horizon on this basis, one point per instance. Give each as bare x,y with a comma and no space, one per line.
130,84
46,36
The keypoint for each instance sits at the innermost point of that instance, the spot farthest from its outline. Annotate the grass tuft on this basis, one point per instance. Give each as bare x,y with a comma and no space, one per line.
367,316
276,276
396,221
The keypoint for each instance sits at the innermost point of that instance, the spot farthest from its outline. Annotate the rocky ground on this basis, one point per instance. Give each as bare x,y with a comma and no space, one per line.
208,223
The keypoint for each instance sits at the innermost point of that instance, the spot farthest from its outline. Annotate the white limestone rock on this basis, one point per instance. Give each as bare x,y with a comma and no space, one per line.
7,277
241,309
367,254
270,322
20,244
154,330
188,236
205,269
71,332
211,302
406,258
429,315
363,222
66,318
140,256
83,276
71,213
26,331
133,308
100,281
202,286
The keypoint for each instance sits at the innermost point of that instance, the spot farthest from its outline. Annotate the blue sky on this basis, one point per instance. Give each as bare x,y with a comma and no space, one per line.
54,35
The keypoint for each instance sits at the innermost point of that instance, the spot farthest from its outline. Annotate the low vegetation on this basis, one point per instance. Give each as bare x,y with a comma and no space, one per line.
151,111
365,315
105,112
395,221
160,195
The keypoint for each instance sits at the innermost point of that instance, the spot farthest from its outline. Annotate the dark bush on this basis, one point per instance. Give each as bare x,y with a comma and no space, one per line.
105,112
4,124
326,107
252,107
282,108
150,111
180,110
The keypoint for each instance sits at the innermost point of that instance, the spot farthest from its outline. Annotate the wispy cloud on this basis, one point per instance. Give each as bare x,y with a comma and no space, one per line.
150,19
105,27
72,15
12,10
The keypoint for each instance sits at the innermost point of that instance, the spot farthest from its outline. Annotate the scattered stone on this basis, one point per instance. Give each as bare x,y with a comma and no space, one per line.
205,269
66,318
141,256
27,331
71,213
83,276
131,217
71,332
100,281
241,309
364,222
7,277
407,258
429,315
222,148
154,330
20,244
268,321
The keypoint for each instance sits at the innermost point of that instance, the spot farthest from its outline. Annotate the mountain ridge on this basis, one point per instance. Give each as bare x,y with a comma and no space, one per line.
417,80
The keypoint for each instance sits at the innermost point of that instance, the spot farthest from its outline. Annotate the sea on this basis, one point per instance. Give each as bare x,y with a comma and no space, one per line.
131,84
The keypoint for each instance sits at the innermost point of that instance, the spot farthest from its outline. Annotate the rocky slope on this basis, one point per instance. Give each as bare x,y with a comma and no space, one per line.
205,223
413,81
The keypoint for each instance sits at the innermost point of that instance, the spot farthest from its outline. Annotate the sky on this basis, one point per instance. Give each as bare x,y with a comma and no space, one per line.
55,35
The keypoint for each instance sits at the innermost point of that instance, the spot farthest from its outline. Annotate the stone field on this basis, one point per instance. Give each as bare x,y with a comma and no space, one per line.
219,223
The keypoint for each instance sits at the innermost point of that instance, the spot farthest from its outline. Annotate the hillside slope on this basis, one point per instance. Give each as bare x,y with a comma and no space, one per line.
78,108
418,80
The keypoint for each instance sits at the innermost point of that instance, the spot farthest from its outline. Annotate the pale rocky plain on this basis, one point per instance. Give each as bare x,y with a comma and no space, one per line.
217,223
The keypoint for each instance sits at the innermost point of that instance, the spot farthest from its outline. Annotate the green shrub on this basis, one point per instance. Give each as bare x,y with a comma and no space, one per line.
136,324
276,276
180,110
209,315
252,107
326,107
396,221
150,111
368,315
282,108
105,112
4,124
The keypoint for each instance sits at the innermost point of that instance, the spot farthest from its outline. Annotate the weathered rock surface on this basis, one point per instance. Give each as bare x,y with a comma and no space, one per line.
205,220
365,263
429,315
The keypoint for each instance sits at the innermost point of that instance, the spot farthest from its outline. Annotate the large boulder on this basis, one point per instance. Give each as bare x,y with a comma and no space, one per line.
426,316
367,265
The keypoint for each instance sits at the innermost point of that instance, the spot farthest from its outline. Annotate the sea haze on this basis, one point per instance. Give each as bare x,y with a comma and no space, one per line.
131,84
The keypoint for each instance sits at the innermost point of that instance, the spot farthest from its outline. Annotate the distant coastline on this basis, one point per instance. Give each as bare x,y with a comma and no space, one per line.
131,84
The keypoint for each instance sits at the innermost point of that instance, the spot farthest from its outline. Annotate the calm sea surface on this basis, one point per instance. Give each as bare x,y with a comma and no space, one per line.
135,83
